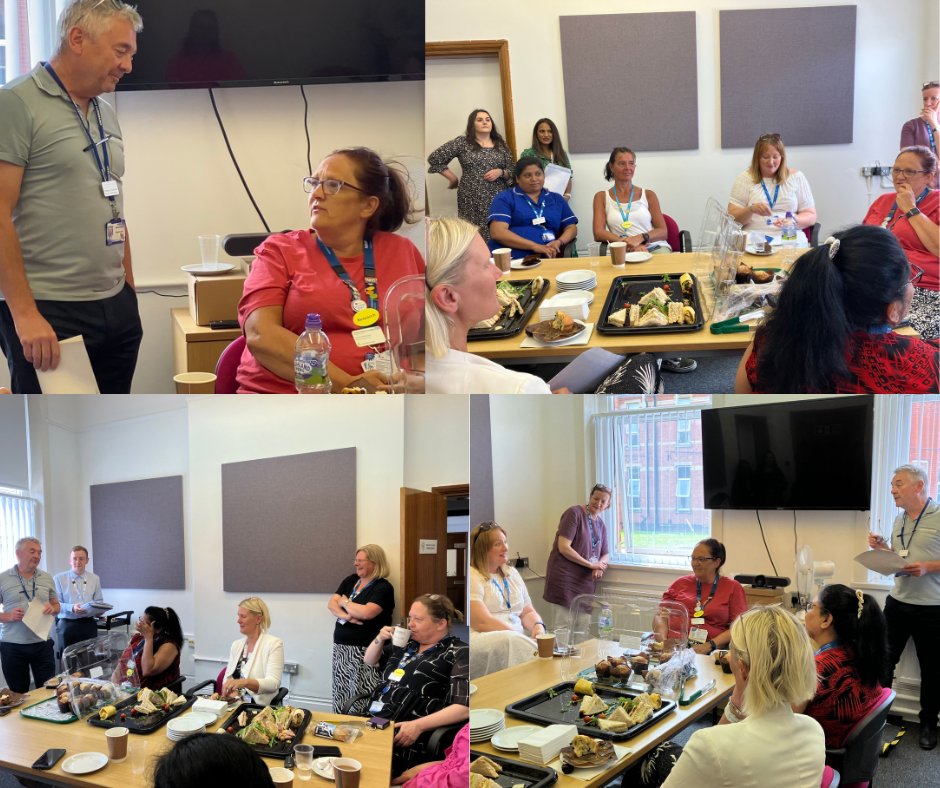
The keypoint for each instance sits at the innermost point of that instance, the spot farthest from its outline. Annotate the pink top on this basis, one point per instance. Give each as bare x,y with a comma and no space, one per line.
290,271
452,771
727,604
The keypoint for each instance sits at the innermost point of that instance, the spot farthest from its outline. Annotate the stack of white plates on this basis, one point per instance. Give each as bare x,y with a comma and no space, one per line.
484,723
576,280
181,727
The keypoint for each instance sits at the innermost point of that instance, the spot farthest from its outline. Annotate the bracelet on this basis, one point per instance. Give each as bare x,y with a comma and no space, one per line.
733,713
567,194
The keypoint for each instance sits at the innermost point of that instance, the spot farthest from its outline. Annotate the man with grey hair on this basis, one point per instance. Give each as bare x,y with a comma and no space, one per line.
22,587
912,610
65,261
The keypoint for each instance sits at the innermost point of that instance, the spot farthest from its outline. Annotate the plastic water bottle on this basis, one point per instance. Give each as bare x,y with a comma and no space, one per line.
605,623
788,230
311,355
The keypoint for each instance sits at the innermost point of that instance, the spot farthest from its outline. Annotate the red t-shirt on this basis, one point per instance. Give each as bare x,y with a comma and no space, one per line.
728,603
290,271
841,699
913,247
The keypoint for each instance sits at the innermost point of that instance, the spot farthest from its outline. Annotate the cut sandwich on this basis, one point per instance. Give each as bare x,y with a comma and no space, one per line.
613,726
479,781
619,715
485,767
592,705
618,318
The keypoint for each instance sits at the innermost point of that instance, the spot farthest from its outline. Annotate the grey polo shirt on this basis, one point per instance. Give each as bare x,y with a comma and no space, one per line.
12,597
72,589
924,544
61,214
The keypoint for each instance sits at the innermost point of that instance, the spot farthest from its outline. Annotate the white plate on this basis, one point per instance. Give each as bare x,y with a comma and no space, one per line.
191,723
485,718
573,297
207,718
85,763
638,257
517,264
575,277
508,738
473,688
561,340
323,767
753,250
208,269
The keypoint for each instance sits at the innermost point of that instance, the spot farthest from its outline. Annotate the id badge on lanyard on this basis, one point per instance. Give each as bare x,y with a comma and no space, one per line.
698,635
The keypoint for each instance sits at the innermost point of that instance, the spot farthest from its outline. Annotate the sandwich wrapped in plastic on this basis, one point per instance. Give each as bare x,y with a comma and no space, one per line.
667,678
341,732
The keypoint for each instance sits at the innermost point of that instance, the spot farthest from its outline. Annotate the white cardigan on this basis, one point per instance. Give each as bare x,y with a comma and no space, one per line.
265,664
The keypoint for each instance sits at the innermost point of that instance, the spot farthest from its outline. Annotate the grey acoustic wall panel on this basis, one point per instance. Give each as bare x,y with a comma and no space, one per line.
787,70
630,79
289,523
137,533
482,506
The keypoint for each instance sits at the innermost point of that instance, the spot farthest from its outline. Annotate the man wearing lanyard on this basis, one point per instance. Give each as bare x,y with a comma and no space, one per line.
913,608
22,587
925,129
65,262
75,589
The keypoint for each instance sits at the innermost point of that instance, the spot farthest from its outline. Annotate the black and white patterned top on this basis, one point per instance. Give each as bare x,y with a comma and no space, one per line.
433,680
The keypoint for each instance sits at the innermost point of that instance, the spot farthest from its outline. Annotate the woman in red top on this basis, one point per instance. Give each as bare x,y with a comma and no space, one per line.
832,330
713,601
152,658
849,630
356,204
912,213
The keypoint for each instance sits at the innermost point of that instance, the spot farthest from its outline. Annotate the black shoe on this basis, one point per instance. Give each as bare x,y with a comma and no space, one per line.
928,738
678,365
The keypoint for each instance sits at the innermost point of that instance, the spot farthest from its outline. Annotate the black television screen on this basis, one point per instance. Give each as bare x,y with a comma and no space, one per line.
798,454
233,43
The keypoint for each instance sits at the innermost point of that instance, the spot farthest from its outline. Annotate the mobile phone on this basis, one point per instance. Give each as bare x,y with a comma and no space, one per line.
379,723
326,752
222,324
48,759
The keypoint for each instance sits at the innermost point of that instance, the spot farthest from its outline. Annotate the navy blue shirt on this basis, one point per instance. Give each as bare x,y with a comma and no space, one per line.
514,207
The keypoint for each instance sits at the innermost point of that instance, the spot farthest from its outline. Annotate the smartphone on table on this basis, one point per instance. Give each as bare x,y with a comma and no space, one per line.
48,759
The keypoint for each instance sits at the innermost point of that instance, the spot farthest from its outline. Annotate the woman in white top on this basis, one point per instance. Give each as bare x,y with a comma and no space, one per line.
256,661
502,617
763,193
770,746
627,212
461,283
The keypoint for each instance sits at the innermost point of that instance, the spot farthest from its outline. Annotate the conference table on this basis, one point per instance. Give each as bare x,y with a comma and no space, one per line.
23,740
497,690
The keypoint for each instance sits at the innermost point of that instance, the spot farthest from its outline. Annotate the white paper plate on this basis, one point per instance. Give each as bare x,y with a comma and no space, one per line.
85,763
638,257
573,296
575,277
323,767
206,717
208,269
485,718
191,723
517,264
508,738
473,688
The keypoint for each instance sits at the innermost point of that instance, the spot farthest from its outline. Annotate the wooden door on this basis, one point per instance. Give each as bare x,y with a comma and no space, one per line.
423,518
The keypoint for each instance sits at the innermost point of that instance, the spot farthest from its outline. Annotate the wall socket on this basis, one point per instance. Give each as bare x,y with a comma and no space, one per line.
521,563
291,668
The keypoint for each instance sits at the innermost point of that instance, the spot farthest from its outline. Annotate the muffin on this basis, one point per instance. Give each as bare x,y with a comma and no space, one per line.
602,669
743,275
620,672
760,277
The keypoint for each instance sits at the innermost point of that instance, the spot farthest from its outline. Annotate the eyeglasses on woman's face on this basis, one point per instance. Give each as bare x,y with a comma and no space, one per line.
330,185
897,172
701,559
916,273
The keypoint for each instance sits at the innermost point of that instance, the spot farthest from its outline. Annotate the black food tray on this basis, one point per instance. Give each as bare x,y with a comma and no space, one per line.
141,724
529,304
547,711
517,773
630,289
280,750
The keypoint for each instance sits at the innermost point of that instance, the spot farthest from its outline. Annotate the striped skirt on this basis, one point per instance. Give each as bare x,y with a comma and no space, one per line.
351,677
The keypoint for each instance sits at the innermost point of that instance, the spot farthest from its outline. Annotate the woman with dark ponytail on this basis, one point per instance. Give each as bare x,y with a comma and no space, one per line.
832,330
849,631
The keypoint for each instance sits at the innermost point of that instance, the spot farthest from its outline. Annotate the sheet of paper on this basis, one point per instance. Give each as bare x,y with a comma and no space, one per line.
885,562
556,178
73,375
36,620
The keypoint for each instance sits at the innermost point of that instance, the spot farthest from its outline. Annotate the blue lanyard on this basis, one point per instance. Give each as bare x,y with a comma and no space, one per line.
770,202
540,205
372,291
624,216
887,222
31,598
882,329
356,591
595,536
833,644
900,536
698,594
505,595
410,655
933,143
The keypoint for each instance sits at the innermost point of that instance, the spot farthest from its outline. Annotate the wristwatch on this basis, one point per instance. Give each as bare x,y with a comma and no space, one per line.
713,646
646,238
913,212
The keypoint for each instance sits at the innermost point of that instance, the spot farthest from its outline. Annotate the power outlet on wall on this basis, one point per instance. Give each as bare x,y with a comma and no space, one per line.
291,668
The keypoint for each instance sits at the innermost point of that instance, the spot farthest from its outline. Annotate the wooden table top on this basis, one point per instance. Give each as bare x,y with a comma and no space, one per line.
498,690
23,740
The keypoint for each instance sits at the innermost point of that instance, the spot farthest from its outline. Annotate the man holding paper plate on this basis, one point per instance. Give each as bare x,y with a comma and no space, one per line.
913,607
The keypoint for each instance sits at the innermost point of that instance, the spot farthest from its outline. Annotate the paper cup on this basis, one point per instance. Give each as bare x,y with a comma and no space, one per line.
346,772
618,253
546,643
281,776
195,383
401,637
503,259
117,744
209,248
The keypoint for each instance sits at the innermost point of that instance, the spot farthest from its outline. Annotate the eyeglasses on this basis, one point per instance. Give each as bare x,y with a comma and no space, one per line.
330,185
774,135
603,488
915,277
895,171
701,560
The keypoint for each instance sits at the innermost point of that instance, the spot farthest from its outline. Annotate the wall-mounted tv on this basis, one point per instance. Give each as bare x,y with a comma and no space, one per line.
239,43
798,454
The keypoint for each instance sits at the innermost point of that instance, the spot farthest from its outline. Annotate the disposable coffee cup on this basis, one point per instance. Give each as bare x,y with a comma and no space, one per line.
209,249
281,776
503,259
346,772
618,253
546,643
400,637
195,383
117,744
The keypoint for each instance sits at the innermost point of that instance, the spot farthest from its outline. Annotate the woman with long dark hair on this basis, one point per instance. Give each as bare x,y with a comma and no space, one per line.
848,628
548,148
152,658
832,330
486,165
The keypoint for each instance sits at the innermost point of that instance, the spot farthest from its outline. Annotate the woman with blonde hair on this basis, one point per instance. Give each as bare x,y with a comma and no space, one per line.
501,611
362,604
256,661
772,661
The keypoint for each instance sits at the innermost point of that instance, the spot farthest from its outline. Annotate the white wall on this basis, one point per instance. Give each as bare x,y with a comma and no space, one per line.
892,60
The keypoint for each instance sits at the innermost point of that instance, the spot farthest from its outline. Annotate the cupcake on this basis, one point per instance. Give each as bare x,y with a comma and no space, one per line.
602,669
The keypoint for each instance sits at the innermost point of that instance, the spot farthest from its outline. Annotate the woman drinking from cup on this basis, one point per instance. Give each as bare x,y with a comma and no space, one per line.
256,661
362,604
548,148
912,214
627,212
424,683
152,658
529,219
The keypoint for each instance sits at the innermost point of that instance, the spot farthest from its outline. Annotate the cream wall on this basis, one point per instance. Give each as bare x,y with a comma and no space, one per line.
892,60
